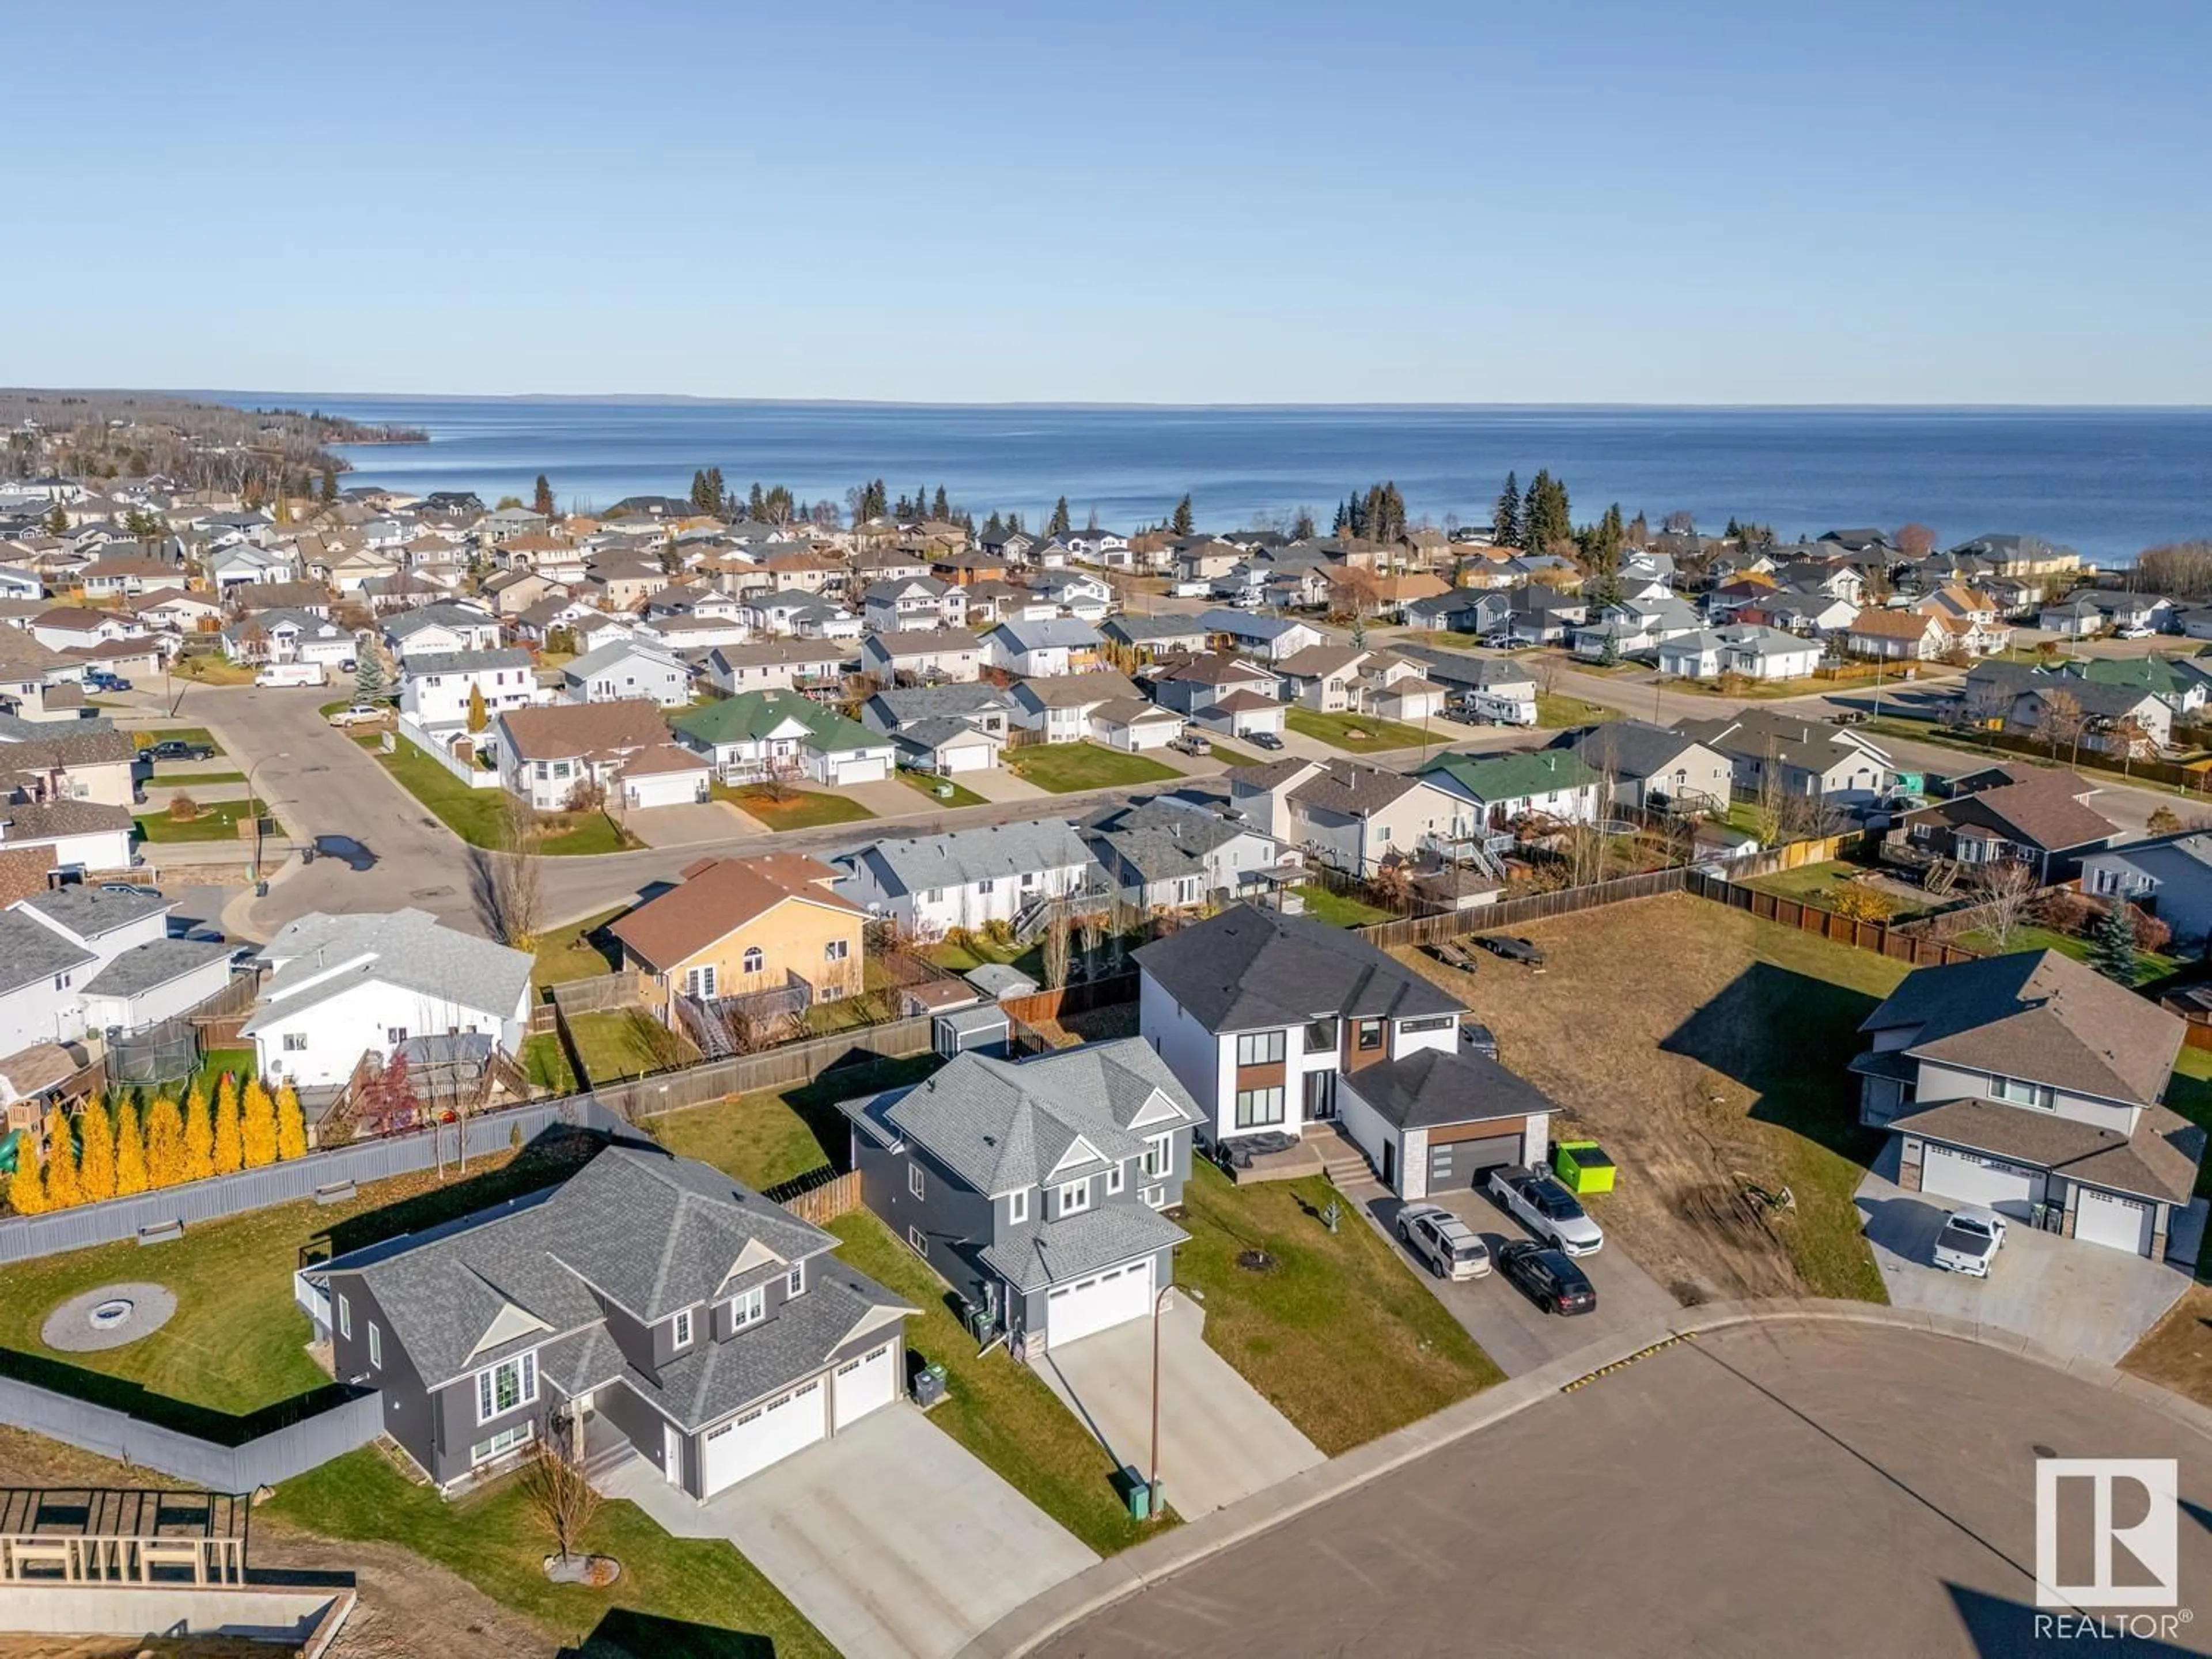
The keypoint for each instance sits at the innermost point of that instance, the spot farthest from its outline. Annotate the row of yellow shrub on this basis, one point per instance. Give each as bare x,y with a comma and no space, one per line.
119,1157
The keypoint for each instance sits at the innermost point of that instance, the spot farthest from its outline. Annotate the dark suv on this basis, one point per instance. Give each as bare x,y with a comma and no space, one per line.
1547,1277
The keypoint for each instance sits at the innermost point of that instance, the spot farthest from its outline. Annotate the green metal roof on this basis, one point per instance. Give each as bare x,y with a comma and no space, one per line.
1509,777
755,714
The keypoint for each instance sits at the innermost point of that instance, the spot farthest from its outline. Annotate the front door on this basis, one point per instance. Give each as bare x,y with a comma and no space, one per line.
1320,1096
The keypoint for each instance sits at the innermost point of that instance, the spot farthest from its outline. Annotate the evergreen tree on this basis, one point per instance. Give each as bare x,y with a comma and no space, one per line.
95,1168
291,1125
1302,527
1182,520
1355,516
1014,524
1505,516
2113,952
61,1182
718,493
757,506
479,715
27,1192
58,522
199,1136
993,529
229,1144
1608,654
1061,523
941,506
541,499
330,495
1601,548
1342,521
257,1126
165,1143
368,676
129,1153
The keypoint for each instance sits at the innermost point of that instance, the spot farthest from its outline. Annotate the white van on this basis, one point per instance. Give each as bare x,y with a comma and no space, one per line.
293,673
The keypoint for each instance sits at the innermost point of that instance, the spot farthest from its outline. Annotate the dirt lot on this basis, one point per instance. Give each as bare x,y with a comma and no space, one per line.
408,1607
2176,1353
1706,1051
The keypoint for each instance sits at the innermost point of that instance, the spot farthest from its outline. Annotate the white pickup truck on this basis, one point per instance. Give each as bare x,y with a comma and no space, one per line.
1970,1240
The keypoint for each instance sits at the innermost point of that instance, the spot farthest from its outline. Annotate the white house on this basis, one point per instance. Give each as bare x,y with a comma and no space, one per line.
1060,708
628,668
1347,814
762,734
342,986
434,686
83,959
1756,652
929,654
967,878
913,603
447,626
777,666
1060,646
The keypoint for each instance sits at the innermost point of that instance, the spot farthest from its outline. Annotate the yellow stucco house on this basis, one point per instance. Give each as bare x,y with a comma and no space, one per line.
733,927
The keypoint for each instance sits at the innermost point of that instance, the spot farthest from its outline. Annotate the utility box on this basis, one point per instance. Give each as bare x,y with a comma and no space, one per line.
1583,1167
1139,1494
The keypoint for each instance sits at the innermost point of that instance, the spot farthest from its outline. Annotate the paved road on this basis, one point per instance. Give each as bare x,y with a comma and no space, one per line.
1778,1489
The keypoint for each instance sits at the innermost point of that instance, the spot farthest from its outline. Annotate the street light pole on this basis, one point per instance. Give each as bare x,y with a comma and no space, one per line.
1152,1474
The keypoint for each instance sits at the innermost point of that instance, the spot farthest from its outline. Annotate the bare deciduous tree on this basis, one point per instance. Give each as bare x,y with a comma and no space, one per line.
2005,890
518,878
1915,541
553,1481
1056,948
2062,722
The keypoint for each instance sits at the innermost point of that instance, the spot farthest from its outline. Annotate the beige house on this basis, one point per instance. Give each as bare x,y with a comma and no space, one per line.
736,927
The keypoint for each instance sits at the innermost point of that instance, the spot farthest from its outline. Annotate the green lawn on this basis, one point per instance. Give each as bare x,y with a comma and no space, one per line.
2031,936
800,808
545,1063
211,669
1339,910
1559,712
982,948
1821,883
492,1537
237,1062
1362,734
1230,754
767,1137
582,835
568,953
217,821
1344,1340
612,1045
995,1406
238,1342
926,785
474,815
189,780
1062,768
145,737
2189,1093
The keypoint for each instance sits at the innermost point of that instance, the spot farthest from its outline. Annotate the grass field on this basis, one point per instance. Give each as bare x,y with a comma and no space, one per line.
1821,883
2030,936
1707,1051
801,809
1339,910
478,815
545,1062
216,821
1360,734
763,1139
613,1045
1230,754
145,737
926,785
567,953
188,781
1559,712
1063,767
209,669
1343,1340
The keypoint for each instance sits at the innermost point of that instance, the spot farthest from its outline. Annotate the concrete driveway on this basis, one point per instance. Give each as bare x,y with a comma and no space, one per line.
687,824
892,1537
1219,1439
2068,1297
1507,1325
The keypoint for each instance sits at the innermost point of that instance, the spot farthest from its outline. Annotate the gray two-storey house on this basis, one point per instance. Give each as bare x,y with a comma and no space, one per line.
1035,1188
647,1299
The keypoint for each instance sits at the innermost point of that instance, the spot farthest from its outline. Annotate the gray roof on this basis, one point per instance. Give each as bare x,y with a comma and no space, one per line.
1048,1252
920,863
1632,748
1157,839
583,667
1247,969
445,613
927,735
899,706
466,662
1054,631
157,962
320,957
1000,1124
1460,668
2159,1160
1150,630
30,951
1432,1087
1001,980
88,911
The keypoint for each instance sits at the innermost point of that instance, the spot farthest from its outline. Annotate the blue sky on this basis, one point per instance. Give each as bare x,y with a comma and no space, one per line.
1292,201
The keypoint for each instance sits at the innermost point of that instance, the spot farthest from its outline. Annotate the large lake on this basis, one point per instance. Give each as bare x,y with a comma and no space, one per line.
2109,482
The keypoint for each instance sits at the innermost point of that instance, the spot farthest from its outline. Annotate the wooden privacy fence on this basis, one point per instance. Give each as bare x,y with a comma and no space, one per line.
772,1068
601,992
1080,999
826,1199
1882,939
1512,913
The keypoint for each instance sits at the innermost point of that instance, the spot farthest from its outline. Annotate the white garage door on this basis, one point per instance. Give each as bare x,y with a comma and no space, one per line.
847,770
664,788
1118,1294
2107,1218
862,1385
764,1436
2005,1187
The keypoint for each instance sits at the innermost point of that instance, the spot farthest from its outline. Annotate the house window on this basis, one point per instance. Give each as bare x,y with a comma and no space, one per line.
1258,1108
1112,1181
753,959
795,1282
699,981
375,1345
1259,1048
1075,1196
984,885
395,1033
1321,1036
834,950
917,1242
61,981
505,1441
914,1183
503,1387
1018,1207
295,1043
1439,1022
345,1317
1159,1155
748,1308
2021,1093
1383,833
1370,1034
682,1331
1155,1197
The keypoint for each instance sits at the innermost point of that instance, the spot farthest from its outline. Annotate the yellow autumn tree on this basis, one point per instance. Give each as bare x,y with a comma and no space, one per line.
199,1136
61,1167
291,1125
230,1145
165,1143
26,1194
95,1168
129,1153
257,1126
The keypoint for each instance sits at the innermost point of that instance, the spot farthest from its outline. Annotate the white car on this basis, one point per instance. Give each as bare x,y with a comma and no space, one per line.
1970,1240
360,714
1546,1209
1451,1248
2132,631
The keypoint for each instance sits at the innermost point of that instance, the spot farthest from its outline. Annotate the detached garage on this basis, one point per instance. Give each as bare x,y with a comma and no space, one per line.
1434,1121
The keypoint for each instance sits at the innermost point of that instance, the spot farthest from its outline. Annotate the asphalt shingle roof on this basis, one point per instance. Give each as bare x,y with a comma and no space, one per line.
1432,1087
320,957
157,962
917,864
1247,969
30,951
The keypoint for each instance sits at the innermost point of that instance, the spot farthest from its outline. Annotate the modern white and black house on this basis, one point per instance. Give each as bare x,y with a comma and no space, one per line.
647,1299
2031,1084
1035,1187
1282,1025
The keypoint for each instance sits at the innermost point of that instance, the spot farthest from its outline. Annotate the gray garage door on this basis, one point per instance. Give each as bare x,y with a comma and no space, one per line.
1460,1162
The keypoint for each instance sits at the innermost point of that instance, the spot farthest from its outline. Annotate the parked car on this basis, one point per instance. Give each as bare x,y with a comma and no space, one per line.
1264,740
1478,1038
176,749
2132,631
128,887
1547,1277
359,714
1848,717
1970,1240
1513,950
100,682
1504,641
1545,1208
1191,743
1451,1248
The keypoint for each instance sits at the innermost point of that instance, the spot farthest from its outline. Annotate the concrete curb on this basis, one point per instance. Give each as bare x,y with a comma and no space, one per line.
1039,1620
